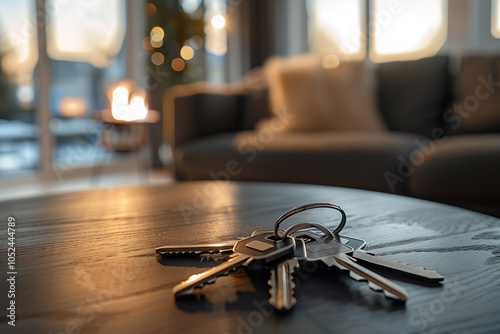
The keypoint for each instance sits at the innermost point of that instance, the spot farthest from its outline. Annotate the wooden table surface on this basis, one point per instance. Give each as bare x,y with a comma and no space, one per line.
85,262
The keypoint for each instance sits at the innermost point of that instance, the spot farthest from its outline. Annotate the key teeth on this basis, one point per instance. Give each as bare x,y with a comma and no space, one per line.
188,253
390,295
432,275
356,277
213,280
375,287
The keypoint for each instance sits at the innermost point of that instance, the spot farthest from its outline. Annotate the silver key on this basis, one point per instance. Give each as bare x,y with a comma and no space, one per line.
281,281
217,251
400,268
260,247
202,249
335,254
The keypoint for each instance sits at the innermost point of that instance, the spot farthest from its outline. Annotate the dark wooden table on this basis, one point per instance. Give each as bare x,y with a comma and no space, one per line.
85,262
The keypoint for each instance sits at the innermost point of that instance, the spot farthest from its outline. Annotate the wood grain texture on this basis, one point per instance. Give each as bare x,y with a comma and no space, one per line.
86,262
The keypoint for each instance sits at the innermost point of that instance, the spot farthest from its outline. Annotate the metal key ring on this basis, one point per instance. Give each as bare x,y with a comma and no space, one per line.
310,206
302,226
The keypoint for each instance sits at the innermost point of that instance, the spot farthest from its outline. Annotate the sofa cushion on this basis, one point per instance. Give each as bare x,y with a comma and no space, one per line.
348,159
461,169
413,95
478,96
255,105
211,113
321,99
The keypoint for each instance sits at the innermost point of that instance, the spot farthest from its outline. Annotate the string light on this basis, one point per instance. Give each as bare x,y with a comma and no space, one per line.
187,52
218,21
178,64
157,58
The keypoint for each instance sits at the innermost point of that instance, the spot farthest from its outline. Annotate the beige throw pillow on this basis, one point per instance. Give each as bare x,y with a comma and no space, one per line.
314,98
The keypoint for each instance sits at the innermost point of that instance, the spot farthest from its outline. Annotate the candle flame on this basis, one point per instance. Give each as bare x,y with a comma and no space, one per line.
122,110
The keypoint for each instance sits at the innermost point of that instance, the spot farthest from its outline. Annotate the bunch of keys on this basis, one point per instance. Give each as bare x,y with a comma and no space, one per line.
283,251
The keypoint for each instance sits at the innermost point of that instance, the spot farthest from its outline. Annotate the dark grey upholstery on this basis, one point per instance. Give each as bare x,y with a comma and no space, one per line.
357,159
413,94
460,170
208,143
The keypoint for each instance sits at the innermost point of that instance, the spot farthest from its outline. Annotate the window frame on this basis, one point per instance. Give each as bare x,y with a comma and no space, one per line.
46,140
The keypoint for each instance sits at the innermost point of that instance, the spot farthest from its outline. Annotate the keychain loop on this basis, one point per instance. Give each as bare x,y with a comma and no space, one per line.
310,206
302,226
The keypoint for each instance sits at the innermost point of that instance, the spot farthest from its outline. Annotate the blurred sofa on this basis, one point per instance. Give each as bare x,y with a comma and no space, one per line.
440,135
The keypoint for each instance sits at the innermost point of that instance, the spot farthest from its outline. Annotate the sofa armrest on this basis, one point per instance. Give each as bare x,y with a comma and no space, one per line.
199,109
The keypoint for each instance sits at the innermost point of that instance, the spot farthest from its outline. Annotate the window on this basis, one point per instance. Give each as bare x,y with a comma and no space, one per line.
407,29
336,26
85,41
495,18
19,151
85,45
398,29
215,39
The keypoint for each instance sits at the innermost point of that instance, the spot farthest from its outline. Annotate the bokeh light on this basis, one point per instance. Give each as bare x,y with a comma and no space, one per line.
190,6
150,10
178,64
187,52
157,58
156,44
72,106
25,94
218,21
331,61
146,43
157,34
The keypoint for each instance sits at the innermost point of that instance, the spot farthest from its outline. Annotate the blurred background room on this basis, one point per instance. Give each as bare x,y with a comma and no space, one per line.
88,86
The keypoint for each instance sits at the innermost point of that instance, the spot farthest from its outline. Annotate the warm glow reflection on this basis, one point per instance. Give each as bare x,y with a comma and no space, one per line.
187,52
122,110
218,21
413,29
193,278
72,106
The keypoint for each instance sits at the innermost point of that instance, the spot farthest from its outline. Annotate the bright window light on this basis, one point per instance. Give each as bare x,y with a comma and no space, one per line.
495,18
407,29
216,35
336,27
18,40
89,31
